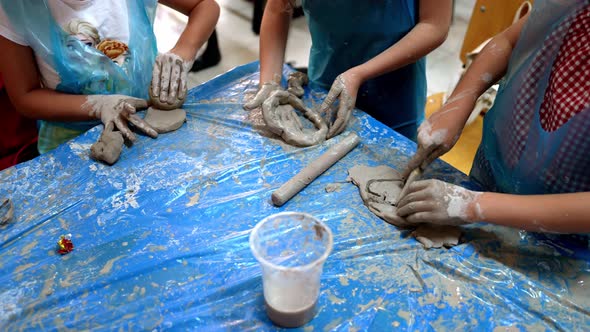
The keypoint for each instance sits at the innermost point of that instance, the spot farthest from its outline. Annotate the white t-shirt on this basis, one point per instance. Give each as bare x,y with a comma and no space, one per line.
91,21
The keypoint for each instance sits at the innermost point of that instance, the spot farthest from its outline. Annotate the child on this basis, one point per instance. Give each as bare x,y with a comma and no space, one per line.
535,152
368,53
72,62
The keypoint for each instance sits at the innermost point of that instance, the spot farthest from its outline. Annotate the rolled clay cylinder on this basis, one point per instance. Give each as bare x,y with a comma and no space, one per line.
313,170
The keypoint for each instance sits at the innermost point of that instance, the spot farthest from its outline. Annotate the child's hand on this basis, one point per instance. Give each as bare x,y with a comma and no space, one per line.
296,82
438,202
262,95
436,136
345,89
119,110
169,80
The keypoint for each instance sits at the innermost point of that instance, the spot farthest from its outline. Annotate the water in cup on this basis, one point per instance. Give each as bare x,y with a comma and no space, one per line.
291,248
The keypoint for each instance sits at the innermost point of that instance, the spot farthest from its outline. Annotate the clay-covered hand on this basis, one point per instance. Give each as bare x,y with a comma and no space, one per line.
169,81
262,95
436,136
295,83
119,110
438,202
344,89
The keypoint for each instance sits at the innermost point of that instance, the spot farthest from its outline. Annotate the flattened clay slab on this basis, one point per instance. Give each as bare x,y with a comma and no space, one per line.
434,236
379,188
165,121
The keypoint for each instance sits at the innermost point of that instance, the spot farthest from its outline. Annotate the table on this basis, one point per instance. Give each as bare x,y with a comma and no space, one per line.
161,238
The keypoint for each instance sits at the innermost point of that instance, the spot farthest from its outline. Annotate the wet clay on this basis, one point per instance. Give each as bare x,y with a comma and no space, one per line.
165,121
314,169
279,112
380,189
155,102
281,119
338,91
175,104
6,211
296,81
291,318
333,187
108,147
435,236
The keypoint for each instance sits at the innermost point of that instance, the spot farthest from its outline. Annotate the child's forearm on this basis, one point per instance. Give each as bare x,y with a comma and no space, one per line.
430,32
559,213
273,39
489,66
20,74
46,104
202,18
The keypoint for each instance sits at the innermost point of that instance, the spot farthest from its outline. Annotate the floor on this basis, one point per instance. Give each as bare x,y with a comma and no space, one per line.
239,45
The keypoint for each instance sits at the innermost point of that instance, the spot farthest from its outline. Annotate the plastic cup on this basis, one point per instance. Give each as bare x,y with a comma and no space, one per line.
291,248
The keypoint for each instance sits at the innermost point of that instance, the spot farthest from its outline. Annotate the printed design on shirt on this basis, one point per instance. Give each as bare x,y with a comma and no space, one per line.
89,35
84,32
115,50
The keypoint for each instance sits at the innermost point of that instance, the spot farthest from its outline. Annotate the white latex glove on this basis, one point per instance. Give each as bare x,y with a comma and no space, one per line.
169,79
262,95
119,110
438,202
344,89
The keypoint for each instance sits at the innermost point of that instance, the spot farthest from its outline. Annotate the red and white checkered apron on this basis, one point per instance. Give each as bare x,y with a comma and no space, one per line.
567,95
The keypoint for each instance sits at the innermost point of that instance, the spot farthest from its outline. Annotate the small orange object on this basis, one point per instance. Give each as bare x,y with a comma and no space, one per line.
65,245
112,48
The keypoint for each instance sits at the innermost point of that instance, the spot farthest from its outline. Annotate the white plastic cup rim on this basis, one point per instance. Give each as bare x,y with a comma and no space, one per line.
301,268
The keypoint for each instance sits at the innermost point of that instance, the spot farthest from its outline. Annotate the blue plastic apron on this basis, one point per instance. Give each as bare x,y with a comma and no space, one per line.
84,69
546,162
348,33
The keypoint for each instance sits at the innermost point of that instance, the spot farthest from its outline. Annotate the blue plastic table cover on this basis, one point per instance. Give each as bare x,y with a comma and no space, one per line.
161,237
